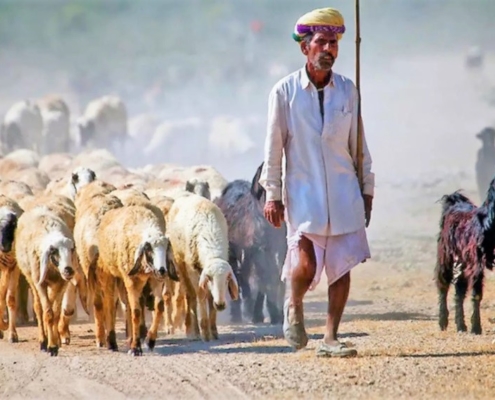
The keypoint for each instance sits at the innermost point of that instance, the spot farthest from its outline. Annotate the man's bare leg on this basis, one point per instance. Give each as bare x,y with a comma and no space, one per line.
301,278
338,294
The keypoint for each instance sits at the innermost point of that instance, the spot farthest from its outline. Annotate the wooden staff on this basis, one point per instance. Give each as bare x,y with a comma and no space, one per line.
358,86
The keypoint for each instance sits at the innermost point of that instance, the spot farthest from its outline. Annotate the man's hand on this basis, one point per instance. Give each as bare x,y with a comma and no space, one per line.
368,206
274,212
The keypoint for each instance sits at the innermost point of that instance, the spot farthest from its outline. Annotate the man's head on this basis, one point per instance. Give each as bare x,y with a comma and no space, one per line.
318,33
321,50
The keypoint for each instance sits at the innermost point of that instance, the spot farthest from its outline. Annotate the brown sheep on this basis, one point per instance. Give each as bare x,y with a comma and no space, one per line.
136,251
44,249
9,272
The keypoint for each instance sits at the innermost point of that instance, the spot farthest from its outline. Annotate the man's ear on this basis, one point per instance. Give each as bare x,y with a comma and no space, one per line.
304,47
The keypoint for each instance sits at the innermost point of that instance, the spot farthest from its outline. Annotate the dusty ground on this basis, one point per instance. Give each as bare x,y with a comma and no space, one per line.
390,319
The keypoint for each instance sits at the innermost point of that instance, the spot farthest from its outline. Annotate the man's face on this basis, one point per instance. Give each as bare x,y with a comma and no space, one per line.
322,50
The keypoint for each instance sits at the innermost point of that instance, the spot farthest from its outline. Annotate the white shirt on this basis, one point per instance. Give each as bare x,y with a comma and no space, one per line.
321,191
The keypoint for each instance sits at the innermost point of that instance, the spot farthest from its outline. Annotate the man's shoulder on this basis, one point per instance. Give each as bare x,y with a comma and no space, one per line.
287,81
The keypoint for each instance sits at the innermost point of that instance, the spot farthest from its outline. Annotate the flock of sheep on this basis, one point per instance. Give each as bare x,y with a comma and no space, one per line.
47,125
84,226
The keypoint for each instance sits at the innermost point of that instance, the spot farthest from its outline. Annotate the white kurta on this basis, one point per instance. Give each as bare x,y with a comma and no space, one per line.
320,190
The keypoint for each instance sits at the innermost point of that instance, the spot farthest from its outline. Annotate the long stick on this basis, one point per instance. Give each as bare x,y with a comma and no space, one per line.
358,86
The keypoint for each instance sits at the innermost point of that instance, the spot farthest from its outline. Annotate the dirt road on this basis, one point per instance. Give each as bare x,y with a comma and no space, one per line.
390,319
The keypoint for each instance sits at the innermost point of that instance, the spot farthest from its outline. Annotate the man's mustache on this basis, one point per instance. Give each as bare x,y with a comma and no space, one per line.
326,57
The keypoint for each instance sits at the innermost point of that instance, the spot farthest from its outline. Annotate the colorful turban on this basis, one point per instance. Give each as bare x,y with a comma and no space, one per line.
319,20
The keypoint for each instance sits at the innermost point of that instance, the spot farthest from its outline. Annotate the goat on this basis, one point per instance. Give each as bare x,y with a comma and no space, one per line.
465,248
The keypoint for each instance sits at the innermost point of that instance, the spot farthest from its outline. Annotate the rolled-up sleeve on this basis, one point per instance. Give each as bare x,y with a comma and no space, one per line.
368,175
276,135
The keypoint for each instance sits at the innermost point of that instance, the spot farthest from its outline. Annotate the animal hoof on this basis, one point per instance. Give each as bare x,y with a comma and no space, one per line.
14,338
476,330
43,346
461,328
66,340
151,344
53,351
136,352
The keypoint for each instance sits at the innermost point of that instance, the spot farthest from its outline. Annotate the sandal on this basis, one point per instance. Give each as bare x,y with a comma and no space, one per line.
339,350
294,331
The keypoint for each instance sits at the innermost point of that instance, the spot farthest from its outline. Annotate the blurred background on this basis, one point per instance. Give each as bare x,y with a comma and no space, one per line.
206,66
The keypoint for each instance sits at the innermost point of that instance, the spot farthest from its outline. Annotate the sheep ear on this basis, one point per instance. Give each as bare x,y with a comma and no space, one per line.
138,258
203,281
233,287
189,186
45,259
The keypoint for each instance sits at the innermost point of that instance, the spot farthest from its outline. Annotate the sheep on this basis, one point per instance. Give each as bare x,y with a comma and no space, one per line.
64,208
35,178
24,157
44,249
15,190
103,122
135,250
485,161
56,124
198,186
197,230
55,165
255,247
69,186
21,127
465,248
9,272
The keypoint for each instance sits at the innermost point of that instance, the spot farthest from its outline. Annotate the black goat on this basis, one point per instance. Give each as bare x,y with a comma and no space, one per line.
255,249
466,245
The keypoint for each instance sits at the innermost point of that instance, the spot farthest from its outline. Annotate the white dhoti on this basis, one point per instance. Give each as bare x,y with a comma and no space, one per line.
338,254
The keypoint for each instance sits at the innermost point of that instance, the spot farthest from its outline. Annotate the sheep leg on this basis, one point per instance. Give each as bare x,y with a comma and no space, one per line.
22,304
134,290
212,318
476,297
48,317
109,310
99,318
68,308
461,287
142,321
55,298
203,319
191,321
157,289
167,295
179,306
12,293
4,285
38,310
235,305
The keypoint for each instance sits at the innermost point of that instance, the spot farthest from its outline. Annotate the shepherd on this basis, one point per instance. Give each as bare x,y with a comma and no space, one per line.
313,123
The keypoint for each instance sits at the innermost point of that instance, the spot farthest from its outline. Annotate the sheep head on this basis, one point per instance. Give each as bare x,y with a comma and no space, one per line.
153,256
8,225
80,177
57,250
199,187
218,278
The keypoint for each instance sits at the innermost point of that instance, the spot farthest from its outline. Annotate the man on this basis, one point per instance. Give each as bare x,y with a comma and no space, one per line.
312,121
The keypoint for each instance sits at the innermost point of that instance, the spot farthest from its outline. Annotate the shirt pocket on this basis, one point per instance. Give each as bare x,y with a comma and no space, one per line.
338,124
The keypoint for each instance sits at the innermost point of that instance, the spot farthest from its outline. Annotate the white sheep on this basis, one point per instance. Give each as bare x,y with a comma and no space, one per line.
22,126
56,124
9,272
134,250
198,235
70,185
104,121
44,249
